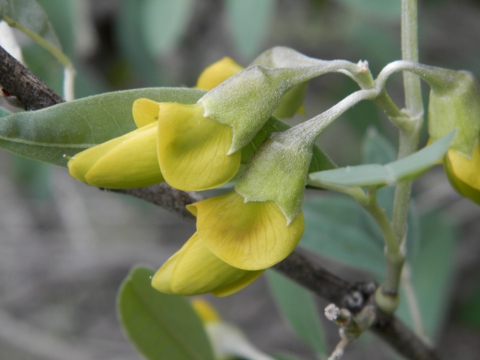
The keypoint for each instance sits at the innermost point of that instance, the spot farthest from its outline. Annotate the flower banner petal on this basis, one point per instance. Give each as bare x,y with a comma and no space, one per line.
192,149
249,236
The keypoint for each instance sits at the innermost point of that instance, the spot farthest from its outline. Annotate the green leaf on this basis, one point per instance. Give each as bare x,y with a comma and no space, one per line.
68,128
407,168
339,228
164,22
432,272
469,313
160,326
249,21
389,9
298,307
28,14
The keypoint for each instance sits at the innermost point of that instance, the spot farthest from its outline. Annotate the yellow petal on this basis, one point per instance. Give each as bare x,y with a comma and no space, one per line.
81,163
145,111
217,73
249,236
130,163
195,270
464,173
206,311
192,149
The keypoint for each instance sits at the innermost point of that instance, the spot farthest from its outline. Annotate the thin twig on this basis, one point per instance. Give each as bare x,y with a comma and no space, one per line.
34,94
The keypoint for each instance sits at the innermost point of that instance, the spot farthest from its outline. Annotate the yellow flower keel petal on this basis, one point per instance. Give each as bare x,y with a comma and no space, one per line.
249,236
128,161
192,149
464,173
195,270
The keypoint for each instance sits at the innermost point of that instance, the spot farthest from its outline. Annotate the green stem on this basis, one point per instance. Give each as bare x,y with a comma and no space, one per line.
387,296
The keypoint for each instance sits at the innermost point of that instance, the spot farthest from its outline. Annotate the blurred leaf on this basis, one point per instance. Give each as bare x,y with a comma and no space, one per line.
298,307
4,113
164,23
469,313
284,357
432,272
377,43
160,326
339,228
376,149
249,22
378,8
65,129
29,14
381,175
34,175
61,15
132,42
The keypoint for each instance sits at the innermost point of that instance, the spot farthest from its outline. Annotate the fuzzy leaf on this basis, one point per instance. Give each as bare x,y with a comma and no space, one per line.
68,128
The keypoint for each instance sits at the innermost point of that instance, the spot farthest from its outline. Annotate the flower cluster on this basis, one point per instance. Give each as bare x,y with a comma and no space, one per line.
195,147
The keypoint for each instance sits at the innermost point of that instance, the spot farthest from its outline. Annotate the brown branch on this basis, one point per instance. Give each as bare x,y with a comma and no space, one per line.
16,80
34,94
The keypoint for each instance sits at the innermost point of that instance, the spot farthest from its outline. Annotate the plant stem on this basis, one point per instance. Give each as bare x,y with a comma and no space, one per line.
408,143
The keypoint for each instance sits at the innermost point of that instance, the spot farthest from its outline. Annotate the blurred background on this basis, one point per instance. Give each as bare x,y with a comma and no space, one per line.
66,247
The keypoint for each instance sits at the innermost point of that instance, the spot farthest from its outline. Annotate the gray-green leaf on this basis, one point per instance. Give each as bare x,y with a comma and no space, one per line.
160,326
65,129
30,15
298,307
378,175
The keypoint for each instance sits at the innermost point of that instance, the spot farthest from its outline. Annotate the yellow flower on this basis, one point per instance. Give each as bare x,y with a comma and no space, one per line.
464,173
195,270
247,235
128,161
217,73
234,243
